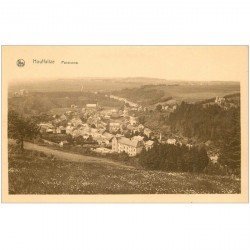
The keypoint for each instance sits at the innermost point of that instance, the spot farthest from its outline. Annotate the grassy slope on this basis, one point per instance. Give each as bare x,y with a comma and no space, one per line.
192,93
36,173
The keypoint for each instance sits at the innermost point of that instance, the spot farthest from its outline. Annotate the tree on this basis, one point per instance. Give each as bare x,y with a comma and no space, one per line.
90,139
79,140
203,159
158,107
70,139
174,158
231,151
142,119
20,128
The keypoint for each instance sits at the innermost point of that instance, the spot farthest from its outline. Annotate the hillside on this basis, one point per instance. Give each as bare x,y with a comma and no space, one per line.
153,94
104,83
88,83
34,172
40,102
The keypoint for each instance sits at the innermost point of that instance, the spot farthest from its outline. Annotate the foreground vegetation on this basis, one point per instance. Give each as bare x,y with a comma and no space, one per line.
32,172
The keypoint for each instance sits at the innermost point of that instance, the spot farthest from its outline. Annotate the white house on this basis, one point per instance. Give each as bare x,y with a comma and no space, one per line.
171,141
148,144
76,121
114,126
63,143
138,138
123,144
91,106
133,120
147,132
219,100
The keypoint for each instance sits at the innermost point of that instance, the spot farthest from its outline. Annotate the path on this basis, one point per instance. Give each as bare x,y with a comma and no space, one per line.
72,156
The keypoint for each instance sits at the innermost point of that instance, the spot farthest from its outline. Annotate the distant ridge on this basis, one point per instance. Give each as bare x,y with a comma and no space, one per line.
104,83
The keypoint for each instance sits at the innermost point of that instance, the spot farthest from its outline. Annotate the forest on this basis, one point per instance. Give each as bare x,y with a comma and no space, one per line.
204,123
211,123
174,158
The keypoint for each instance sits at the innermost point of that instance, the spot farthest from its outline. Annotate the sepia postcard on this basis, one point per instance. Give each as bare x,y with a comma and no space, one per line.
125,124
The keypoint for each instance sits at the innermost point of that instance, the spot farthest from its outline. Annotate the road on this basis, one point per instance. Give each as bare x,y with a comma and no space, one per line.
72,156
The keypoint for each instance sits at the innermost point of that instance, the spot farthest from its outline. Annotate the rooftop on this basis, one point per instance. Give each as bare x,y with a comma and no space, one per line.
91,105
128,142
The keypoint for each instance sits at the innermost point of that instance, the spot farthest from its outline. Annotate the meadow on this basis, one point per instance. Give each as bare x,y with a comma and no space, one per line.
193,93
32,172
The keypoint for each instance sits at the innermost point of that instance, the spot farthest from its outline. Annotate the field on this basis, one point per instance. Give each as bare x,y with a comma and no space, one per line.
171,94
193,93
33,172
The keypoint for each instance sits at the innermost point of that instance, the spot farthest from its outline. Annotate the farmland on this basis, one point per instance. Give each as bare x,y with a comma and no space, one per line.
152,94
192,93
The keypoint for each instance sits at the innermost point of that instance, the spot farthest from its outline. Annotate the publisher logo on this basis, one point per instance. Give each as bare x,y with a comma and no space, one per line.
20,63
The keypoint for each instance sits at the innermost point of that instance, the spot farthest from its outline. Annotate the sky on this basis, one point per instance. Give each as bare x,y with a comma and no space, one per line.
195,63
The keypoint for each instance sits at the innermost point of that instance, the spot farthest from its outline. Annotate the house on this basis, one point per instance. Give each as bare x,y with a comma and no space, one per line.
220,100
102,150
107,117
85,136
148,144
81,131
58,130
107,138
123,144
114,126
76,121
189,145
91,106
115,115
61,130
45,126
131,128
69,112
140,128
133,120
171,141
214,158
138,138
147,132
165,107
63,117
69,129
50,130
63,144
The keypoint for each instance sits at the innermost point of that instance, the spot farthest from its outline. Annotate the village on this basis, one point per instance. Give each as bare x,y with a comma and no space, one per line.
110,130
105,130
